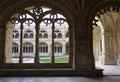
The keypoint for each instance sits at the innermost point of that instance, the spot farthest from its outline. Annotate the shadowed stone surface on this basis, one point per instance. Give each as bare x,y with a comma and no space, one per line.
60,79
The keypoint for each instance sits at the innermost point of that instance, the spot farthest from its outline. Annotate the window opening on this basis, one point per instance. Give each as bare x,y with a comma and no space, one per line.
40,25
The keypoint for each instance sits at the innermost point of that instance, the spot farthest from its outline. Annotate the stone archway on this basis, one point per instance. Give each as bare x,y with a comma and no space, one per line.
21,14
109,17
81,59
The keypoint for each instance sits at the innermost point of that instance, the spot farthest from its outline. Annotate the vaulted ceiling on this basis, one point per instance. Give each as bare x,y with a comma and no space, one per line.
79,8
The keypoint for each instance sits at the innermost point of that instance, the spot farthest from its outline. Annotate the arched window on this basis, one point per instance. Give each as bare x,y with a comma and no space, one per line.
43,48
25,35
31,35
59,35
58,48
15,34
43,34
40,20
28,48
15,48
28,34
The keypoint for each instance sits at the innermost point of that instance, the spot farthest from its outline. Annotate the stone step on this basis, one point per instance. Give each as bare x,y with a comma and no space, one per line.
50,72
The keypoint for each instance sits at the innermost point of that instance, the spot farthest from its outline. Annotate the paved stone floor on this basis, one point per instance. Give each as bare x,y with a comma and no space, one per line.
111,72
61,79
109,69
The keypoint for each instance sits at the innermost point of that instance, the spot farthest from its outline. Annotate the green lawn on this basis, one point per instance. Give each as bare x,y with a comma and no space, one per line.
57,60
48,59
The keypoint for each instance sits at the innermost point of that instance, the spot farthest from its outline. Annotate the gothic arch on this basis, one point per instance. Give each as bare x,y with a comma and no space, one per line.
102,5
13,10
43,34
27,47
15,48
15,7
104,9
28,34
43,47
15,34
82,63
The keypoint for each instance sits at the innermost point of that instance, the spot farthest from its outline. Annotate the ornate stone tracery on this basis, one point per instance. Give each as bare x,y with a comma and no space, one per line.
37,16
80,15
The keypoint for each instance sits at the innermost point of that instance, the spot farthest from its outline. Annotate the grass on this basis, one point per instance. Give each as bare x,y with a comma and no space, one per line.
57,60
48,59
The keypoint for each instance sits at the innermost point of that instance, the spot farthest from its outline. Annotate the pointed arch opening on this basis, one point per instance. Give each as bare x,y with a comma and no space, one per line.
106,38
36,26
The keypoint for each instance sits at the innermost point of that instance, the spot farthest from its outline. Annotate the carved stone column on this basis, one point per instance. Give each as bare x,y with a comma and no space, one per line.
2,44
63,49
97,43
110,56
83,58
36,60
8,43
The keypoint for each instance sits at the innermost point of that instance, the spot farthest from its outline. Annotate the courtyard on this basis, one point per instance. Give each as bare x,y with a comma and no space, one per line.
30,59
